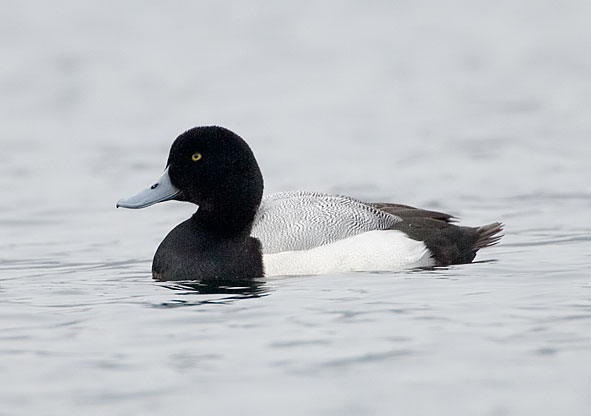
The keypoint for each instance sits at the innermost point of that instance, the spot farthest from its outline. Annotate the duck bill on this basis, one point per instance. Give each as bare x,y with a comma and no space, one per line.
162,190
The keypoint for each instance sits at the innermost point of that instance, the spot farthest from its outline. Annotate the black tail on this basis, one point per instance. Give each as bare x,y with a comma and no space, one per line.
488,235
449,243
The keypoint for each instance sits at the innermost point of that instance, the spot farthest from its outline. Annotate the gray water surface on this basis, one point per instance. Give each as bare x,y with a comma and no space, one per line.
478,109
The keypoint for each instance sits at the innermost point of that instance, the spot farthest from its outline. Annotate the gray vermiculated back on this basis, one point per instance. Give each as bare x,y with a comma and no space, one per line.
301,220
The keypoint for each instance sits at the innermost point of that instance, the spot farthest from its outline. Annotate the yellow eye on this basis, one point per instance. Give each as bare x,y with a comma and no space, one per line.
196,157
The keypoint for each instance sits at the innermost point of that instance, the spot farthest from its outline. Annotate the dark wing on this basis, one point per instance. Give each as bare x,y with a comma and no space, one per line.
406,211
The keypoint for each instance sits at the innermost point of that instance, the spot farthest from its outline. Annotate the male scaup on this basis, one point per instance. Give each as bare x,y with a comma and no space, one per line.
236,233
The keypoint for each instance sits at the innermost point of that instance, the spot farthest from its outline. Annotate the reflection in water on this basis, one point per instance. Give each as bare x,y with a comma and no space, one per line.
238,289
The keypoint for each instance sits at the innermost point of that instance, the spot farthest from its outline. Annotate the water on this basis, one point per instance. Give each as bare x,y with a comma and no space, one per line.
474,108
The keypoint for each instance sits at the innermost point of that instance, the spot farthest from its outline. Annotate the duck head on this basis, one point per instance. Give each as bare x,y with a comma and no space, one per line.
213,168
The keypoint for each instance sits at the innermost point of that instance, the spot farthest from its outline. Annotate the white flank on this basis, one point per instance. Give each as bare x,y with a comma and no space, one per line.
370,251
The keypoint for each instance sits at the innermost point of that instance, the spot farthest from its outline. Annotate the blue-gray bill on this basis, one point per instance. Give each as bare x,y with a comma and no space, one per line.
162,190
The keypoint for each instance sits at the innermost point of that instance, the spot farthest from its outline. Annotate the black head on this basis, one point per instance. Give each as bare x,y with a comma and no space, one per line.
215,169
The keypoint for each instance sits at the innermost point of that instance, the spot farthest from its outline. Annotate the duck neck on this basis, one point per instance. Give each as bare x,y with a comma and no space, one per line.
231,211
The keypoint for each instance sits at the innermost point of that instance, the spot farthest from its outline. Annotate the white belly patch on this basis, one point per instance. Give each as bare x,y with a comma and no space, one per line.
378,250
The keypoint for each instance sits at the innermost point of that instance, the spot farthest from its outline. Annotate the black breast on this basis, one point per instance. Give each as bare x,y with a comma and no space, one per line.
191,253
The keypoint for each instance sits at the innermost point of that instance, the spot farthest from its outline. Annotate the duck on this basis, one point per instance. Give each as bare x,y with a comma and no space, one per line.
237,233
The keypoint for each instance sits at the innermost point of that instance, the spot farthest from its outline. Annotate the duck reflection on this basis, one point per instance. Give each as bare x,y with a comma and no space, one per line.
235,289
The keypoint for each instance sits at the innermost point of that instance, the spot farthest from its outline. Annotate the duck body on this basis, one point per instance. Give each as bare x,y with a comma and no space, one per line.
301,220
236,233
